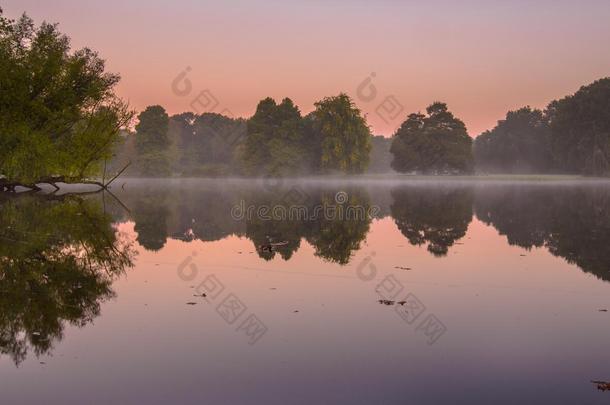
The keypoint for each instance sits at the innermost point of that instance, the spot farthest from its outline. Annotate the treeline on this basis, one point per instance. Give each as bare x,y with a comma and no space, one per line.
570,136
276,141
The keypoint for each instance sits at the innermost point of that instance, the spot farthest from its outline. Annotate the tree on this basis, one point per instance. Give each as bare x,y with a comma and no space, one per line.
381,158
274,144
59,116
215,138
437,143
152,141
519,143
342,133
580,129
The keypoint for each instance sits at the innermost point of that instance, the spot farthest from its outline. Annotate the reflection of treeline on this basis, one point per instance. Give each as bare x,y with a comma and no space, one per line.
436,216
58,258
571,222
205,214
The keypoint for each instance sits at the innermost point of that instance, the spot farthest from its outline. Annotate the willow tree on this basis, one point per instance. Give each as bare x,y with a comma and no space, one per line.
342,135
59,115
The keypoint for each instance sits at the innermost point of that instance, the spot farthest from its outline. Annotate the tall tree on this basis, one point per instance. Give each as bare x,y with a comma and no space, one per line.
342,133
580,129
437,143
59,116
381,158
152,141
275,138
519,143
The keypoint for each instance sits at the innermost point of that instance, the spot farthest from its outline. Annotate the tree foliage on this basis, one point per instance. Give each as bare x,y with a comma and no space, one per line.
275,141
580,129
152,141
59,116
436,143
519,143
343,135
380,157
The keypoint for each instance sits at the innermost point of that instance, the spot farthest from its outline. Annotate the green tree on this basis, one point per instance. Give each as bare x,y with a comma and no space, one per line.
59,116
215,138
437,143
381,158
152,141
519,143
580,129
274,144
342,133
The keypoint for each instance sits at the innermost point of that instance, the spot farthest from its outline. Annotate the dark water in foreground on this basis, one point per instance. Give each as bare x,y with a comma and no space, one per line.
418,293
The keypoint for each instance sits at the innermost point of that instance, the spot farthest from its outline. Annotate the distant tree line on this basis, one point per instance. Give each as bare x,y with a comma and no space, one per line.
276,141
571,135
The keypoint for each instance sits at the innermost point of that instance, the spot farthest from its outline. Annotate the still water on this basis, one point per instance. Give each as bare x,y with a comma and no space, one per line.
297,292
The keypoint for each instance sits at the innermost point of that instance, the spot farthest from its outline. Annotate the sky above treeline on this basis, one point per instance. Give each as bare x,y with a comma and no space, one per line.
393,57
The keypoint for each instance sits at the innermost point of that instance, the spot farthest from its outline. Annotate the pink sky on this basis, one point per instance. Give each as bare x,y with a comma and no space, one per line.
481,57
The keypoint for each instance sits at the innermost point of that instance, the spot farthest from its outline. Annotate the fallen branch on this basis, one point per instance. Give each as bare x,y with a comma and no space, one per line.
10,186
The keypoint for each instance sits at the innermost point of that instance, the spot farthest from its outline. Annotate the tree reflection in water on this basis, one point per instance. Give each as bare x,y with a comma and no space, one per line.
436,216
570,221
58,258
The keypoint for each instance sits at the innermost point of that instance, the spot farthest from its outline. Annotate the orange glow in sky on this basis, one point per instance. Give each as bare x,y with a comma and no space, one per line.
483,58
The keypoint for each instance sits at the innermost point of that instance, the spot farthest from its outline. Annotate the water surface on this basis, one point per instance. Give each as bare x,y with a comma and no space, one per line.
490,292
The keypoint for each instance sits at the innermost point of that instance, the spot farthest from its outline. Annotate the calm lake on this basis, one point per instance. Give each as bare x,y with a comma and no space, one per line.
305,292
